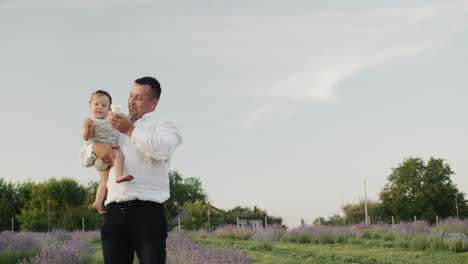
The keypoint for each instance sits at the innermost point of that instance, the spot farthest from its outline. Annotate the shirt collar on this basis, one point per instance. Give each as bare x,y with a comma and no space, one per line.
149,115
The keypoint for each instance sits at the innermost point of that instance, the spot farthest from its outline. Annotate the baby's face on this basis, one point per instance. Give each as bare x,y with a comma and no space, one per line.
99,106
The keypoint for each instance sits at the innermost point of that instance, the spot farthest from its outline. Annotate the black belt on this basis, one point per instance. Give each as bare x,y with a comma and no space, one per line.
134,203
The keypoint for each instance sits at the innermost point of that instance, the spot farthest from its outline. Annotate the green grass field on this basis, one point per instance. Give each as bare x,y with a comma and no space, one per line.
294,253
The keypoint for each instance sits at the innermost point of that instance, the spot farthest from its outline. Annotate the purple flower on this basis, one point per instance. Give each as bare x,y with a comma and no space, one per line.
182,250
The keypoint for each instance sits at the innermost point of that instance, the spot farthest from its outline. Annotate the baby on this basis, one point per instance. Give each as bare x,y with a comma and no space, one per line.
98,129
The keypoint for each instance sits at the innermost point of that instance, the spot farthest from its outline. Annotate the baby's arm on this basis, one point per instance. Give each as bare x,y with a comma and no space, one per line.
88,129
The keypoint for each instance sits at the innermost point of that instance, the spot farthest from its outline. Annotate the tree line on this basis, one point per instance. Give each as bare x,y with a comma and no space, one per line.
415,189
66,204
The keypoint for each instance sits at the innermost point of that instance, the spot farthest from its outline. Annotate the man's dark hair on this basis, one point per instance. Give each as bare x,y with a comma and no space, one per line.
153,83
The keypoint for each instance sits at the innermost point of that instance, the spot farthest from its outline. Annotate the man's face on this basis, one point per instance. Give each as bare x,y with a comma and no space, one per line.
140,101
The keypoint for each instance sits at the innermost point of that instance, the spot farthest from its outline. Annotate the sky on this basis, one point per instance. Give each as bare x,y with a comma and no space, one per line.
287,106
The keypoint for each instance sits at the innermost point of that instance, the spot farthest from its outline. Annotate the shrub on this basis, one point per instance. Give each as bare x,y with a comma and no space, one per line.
403,244
420,242
372,243
303,238
388,245
457,243
366,235
356,241
264,246
388,237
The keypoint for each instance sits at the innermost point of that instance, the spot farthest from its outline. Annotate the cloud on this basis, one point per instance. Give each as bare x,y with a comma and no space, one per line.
267,113
343,44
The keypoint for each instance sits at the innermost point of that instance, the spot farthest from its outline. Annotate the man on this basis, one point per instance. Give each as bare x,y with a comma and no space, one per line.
135,218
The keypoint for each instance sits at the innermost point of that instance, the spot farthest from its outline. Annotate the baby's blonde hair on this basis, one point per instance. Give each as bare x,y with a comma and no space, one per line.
101,93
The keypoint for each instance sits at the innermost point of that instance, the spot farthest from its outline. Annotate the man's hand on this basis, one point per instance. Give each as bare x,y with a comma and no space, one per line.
122,123
104,151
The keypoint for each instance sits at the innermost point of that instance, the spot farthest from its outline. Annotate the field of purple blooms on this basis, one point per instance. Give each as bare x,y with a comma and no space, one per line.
84,247
41,248
405,243
411,242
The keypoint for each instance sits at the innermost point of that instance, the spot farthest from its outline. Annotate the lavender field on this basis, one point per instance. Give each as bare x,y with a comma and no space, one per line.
84,247
412,242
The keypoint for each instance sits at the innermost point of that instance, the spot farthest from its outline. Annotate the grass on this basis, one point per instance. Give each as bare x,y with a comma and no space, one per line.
294,253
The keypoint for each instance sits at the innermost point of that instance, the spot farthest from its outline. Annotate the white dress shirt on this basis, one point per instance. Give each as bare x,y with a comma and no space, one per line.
148,156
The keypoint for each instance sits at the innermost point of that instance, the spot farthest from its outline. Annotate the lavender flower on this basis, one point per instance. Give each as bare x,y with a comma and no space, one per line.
181,250
65,252
271,233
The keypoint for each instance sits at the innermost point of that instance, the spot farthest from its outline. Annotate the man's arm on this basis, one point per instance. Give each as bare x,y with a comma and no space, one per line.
103,151
160,143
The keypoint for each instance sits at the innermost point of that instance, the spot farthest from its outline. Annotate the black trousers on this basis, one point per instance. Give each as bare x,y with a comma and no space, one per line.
134,226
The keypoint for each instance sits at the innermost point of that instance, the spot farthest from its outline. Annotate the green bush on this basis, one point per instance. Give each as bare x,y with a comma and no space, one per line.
457,243
372,243
263,246
366,235
304,238
403,244
356,241
437,242
420,242
326,239
388,237
376,235
388,245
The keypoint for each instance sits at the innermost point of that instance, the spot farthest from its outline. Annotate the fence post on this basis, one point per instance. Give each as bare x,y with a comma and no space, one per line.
12,225
82,224
437,220
266,222
393,222
415,219
178,221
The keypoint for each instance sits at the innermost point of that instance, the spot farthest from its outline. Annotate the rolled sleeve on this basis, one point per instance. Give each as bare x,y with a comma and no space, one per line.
158,143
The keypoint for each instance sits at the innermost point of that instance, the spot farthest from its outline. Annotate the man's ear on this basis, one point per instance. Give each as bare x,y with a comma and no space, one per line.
155,103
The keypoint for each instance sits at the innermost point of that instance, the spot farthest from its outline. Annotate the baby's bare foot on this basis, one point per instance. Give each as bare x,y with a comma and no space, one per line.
99,208
124,178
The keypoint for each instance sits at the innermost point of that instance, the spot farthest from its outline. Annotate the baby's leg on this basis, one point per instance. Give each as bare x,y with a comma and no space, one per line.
101,191
119,167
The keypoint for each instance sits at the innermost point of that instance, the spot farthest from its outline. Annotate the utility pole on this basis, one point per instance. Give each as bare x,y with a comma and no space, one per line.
365,202
209,221
48,213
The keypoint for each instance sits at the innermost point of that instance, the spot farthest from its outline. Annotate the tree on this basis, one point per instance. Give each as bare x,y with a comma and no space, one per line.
255,212
355,213
9,201
319,221
333,220
65,197
182,191
197,216
423,190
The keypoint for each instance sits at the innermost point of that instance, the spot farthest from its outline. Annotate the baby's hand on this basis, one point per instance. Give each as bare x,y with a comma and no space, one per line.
88,123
